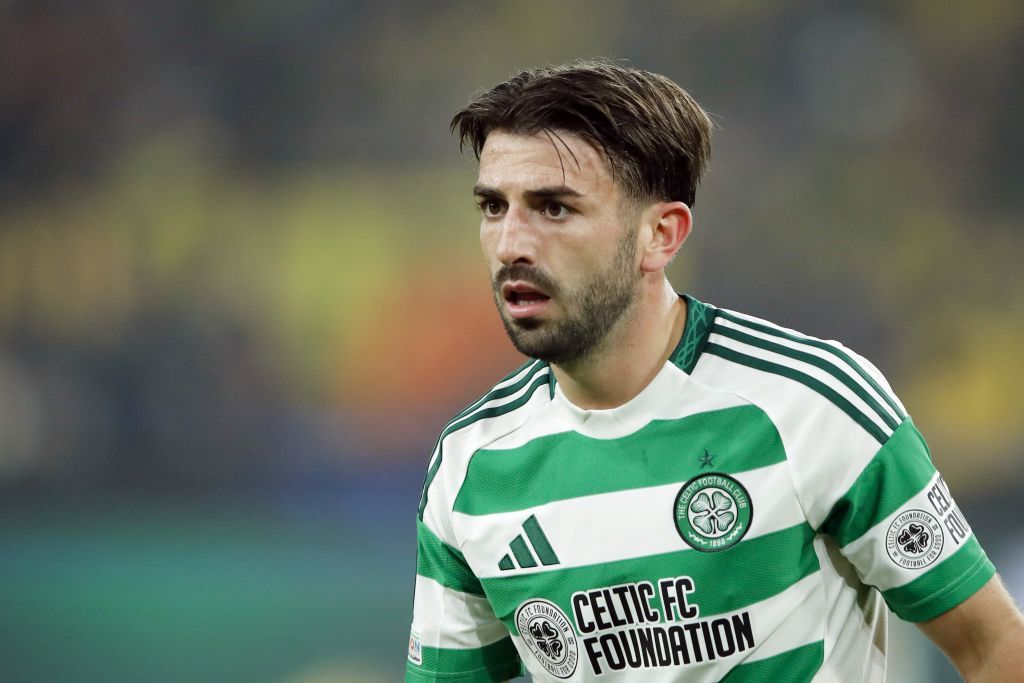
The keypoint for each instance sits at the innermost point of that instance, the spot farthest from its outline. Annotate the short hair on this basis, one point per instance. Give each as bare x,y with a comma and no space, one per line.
654,136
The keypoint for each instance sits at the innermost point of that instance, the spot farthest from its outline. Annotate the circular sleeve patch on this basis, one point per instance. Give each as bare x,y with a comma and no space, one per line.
914,539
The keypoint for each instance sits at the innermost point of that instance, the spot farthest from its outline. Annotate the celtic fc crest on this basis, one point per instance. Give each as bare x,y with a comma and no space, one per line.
713,512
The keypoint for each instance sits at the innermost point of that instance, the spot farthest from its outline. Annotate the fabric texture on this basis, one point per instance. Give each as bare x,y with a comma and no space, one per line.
748,516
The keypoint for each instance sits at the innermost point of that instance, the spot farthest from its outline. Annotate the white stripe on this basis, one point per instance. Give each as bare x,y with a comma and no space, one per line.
459,447
826,450
527,369
864,363
855,618
613,520
835,361
822,376
870,554
671,395
788,620
879,378
468,620
492,403
502,384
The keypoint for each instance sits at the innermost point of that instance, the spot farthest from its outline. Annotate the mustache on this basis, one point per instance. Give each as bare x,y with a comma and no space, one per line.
529,274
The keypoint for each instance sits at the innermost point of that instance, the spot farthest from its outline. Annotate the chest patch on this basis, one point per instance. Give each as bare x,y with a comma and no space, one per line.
548,633
712,512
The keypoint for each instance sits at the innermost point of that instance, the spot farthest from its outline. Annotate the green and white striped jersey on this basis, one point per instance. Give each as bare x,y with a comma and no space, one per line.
742,518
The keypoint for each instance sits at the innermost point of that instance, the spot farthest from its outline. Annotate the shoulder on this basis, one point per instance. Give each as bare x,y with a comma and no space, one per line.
501,410
507,396
797,375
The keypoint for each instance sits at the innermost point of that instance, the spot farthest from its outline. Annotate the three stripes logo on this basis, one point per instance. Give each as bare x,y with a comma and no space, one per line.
522,556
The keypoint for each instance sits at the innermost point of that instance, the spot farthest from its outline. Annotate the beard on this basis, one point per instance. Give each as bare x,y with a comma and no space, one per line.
591,309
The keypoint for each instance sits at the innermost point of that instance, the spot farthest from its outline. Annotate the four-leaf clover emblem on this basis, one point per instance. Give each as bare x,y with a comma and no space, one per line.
712,512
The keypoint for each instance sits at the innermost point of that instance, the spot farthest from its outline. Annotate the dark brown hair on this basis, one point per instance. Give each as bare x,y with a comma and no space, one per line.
655,137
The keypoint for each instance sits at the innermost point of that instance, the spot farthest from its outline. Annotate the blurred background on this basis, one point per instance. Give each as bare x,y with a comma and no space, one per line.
241,289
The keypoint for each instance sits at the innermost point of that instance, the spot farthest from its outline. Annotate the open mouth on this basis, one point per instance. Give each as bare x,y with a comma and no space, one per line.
522,299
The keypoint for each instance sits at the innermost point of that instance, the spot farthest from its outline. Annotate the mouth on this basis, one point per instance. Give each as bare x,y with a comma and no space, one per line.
523,300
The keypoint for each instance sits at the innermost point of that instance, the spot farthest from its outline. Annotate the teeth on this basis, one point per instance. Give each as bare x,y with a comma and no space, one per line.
516,298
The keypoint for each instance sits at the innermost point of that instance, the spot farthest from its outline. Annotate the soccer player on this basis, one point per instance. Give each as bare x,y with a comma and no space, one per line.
669,491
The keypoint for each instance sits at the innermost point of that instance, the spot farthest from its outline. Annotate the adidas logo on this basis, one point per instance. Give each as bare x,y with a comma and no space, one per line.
520,550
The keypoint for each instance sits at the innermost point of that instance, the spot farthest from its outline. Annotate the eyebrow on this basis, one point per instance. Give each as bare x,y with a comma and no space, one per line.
553,192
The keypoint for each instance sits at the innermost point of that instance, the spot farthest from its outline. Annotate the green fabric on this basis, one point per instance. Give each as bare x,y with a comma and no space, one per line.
563,465
699,317
437,560
944,586
540,542
799,664
522,553
466,421
495,662
900,470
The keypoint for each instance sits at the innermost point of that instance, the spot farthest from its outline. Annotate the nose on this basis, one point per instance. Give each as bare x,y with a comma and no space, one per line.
515,238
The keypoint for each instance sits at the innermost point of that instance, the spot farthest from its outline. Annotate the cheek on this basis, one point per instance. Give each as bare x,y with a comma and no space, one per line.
487,237
489,246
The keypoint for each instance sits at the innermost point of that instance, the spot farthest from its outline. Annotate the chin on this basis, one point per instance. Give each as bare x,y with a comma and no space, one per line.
528,324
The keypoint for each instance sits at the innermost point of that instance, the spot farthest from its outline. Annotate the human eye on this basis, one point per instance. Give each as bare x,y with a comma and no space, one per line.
556,210
490,208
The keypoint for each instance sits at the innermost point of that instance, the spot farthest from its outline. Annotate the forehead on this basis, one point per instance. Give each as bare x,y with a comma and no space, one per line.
511,161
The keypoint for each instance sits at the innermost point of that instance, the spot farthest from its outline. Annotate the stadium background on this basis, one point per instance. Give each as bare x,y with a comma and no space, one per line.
240,289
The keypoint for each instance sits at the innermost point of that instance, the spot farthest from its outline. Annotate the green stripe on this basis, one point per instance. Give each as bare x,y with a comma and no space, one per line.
437,560
540,542
800,664
506,563
569,464
899,471
944,586
831,348
495,662
501,392
758,364
699,317
522,553
811,359
749,572
494,411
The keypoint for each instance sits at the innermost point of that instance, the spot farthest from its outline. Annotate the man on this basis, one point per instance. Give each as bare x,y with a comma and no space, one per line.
669,491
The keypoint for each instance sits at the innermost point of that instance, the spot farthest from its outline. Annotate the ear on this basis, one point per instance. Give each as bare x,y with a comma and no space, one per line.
666,226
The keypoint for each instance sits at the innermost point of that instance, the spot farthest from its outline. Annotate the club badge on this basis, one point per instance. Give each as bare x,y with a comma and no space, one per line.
713,512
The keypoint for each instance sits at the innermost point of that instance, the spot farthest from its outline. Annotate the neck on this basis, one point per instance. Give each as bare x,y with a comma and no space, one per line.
631,355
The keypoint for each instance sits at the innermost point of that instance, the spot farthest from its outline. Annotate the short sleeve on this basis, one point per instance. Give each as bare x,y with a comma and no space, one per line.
902,530
455,636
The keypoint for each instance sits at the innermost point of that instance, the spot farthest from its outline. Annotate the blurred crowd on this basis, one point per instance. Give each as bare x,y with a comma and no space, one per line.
237,246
